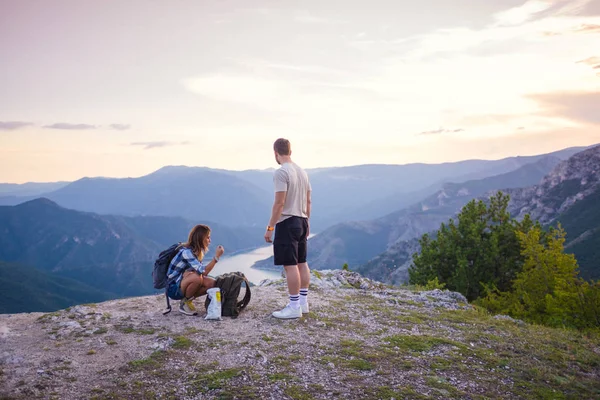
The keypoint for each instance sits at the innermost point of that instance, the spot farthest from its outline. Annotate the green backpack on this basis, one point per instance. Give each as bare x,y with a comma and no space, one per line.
231,285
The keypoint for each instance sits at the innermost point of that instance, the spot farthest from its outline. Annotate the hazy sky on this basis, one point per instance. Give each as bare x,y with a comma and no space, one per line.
122,88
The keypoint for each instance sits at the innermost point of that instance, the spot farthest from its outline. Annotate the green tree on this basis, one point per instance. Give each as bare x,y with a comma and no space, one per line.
548,290
480,248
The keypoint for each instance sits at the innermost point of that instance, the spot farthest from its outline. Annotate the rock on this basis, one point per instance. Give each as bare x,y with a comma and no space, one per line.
70,324
443,298
509,318
79,310
11,359
162,343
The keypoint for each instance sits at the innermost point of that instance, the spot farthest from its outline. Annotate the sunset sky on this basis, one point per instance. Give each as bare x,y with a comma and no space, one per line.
122,88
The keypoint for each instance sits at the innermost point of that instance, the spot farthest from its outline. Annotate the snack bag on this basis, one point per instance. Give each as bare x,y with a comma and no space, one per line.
214,307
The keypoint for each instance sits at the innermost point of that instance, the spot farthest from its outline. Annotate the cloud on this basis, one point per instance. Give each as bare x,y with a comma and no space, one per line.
407,82
301,16
535,23
263,65
441,130
592,8
577,106
13,125
587,28
67,126
581,28
239,89
489,119
308,18
158,144
119,127
593,62
523,13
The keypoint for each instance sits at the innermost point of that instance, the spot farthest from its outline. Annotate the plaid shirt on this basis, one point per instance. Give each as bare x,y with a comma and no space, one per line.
183,261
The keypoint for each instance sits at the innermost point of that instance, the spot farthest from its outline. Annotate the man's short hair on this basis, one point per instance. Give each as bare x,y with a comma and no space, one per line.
282,147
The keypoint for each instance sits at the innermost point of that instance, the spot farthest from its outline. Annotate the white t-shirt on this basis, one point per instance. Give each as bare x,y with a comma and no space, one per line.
292,179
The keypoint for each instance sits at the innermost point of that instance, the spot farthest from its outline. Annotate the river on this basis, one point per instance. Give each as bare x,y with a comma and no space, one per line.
242,263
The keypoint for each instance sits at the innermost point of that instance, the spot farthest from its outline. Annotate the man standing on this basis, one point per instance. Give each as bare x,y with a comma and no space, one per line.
289,221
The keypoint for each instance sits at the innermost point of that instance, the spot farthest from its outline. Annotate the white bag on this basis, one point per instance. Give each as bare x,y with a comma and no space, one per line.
214,307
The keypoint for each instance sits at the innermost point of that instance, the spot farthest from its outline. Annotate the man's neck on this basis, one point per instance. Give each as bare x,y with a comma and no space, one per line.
285,159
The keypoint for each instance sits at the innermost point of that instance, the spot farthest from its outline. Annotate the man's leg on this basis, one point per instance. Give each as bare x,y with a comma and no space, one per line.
303,269
293,281
304,273
293,278
285,251
292,310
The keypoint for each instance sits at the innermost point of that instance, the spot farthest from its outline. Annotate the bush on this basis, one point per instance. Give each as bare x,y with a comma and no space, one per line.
548,290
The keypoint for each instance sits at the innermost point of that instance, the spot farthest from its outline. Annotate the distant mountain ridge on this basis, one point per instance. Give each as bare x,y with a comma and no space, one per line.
111,253
30,188
244,198
357,242
569,194
571,181
193,193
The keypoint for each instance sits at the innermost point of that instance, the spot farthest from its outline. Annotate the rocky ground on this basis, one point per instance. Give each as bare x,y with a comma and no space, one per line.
361,340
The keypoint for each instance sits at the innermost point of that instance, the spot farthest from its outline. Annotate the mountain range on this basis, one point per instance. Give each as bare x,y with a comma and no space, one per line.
357,242
113,254
568,195
97,238
244,198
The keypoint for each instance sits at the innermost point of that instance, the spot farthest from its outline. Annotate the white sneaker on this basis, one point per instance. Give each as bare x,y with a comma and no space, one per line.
304,308
288,313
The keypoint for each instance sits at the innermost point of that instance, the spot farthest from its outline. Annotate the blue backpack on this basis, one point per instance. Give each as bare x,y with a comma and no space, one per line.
161,268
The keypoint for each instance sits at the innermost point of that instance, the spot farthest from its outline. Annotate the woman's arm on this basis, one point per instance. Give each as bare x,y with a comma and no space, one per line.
209,267
193,262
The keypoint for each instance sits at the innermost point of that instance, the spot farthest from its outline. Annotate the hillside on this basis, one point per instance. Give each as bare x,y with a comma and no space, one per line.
582,224
392,265
569,193
370,343
571,181
357,243
111,253
28,289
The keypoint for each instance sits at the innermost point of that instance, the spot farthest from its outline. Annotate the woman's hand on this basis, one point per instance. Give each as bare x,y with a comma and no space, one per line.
219,252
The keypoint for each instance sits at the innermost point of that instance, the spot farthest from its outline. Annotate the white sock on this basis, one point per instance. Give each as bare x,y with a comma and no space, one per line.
295,300
303,296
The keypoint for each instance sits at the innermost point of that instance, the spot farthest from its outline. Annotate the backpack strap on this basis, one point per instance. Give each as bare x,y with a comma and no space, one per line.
168,310
244,302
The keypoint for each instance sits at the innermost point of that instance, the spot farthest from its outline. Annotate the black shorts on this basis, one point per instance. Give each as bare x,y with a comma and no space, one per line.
289,244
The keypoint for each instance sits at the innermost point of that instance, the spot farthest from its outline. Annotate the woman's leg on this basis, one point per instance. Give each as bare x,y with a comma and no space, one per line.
194,285
208,283
191,284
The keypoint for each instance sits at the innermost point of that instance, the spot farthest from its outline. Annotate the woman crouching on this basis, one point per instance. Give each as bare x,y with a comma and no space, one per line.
187,274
